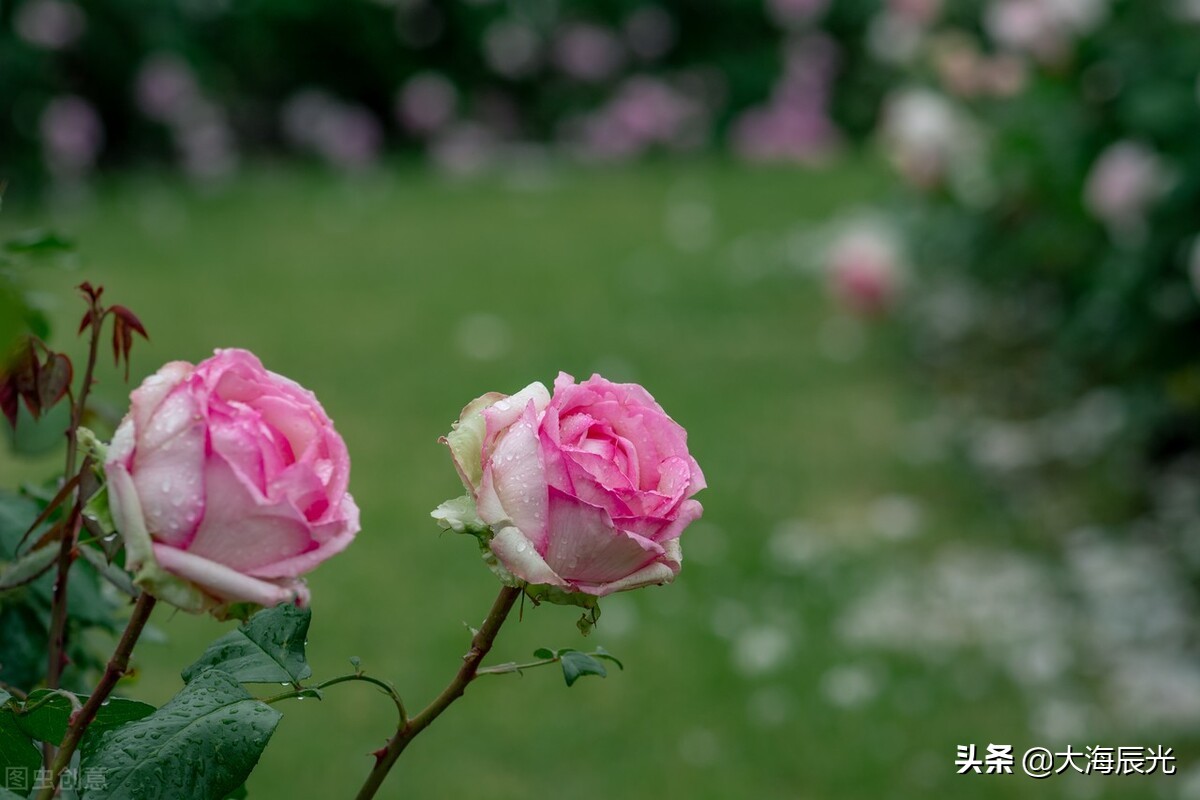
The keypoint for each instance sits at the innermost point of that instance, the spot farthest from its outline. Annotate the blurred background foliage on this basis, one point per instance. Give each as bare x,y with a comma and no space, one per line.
920,277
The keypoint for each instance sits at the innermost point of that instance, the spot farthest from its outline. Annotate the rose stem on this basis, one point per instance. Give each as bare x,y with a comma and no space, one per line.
117,666
58,611
481,643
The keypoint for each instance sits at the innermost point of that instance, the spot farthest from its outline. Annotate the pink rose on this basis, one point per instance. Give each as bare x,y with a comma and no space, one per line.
228,482
586,492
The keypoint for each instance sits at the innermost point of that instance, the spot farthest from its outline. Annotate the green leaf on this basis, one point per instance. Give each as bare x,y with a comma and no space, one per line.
267,649
48,721
97,518
6,794
239,793
543,652
19,758
16,515
576,665
28,567
22,644
600,652
39,243
201,745
110,572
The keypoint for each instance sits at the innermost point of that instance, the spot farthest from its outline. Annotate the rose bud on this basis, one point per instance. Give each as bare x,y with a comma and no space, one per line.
228,482
585,492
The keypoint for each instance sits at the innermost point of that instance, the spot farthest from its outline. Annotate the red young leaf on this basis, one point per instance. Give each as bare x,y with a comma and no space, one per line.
92,293
8,399
130,319
24,371
118,325
54,379
127,346
87,320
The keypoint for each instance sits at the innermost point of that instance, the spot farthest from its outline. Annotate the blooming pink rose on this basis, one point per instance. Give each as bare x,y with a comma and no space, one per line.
228,482
586,492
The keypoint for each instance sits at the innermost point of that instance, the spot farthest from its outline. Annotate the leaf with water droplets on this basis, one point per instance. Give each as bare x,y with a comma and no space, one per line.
201,745
267,649
51,712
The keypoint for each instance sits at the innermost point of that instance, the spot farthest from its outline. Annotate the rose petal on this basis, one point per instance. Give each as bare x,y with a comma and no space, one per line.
167,465
127,515
661,571
506,411
553,458
586,487
145,399
465,440
123,444
521,558
654,436
513,487
586,546
332,538
227,584
662,529
242,531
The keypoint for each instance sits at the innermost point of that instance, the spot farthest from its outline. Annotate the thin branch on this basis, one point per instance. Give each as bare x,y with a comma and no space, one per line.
118,665
58,613
388,689
481,643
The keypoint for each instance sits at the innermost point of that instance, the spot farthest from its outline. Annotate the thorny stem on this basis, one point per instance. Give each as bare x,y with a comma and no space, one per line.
117,667
58,612
481,643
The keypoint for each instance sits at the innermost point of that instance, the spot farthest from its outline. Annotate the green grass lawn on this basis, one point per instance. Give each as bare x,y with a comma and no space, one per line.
688,278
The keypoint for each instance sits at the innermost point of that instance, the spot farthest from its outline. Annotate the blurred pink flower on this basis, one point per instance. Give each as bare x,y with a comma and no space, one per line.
343,134
165,87
464,148
965,71
865,270
166,91
206,144
512,49
49,24
1123,184
793,13
794,124
650,32
922,12
588,52
72,136
427,102
925,135
1045,29
894,38
644,113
